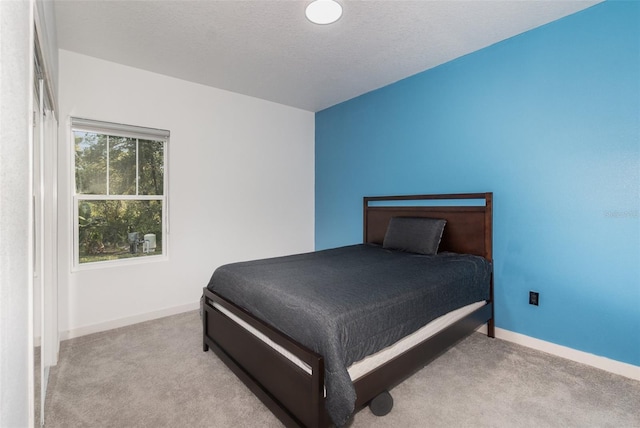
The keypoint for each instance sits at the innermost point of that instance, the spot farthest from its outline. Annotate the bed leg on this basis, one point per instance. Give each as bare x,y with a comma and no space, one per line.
491,328
203,317
381,404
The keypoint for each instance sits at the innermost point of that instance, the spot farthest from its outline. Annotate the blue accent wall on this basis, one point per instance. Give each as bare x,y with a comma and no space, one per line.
549,121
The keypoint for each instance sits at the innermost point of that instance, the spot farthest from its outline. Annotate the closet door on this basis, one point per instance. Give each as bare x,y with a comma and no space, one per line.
44,222
37,249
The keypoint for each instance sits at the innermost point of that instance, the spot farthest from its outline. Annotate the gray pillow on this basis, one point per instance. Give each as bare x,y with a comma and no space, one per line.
414,234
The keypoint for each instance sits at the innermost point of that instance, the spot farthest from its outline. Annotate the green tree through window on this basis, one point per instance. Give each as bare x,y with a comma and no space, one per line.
119,191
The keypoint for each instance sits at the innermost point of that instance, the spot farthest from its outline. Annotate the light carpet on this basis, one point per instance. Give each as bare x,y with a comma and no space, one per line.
155,374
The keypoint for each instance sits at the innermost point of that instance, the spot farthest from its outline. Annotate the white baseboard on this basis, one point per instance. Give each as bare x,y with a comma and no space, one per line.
123,322
602,363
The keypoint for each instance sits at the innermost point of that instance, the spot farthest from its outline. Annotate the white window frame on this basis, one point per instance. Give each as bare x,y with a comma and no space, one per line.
127,131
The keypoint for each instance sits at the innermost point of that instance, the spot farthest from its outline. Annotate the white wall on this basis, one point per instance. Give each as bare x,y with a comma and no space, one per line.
16,361
241,186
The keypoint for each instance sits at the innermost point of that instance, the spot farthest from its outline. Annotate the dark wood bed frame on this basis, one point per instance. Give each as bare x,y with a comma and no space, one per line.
296,397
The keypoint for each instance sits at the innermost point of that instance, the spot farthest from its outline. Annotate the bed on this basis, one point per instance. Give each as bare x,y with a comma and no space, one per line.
289,376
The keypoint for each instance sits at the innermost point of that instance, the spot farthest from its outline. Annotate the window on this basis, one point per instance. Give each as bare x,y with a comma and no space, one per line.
120,191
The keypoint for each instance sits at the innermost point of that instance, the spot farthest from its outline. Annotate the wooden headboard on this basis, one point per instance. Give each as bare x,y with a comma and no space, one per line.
469,229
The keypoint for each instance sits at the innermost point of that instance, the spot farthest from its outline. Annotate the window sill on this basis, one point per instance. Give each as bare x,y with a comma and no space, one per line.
119,263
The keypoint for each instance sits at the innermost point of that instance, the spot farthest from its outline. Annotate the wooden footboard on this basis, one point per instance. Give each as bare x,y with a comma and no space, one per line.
293,395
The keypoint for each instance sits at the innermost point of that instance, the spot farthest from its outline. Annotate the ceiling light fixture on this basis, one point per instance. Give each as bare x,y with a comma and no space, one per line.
323,11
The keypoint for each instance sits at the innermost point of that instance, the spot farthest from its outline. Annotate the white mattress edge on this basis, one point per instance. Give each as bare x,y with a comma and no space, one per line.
373,361
291,357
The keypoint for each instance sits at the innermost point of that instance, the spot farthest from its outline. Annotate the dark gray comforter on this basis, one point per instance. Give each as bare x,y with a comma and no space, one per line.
349,302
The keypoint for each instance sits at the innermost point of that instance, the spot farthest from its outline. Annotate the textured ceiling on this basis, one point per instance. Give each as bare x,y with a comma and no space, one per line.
267,48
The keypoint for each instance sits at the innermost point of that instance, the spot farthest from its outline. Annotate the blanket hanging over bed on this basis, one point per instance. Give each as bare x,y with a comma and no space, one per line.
350,302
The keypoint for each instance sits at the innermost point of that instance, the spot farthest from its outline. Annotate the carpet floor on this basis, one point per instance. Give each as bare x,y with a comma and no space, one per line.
155,374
